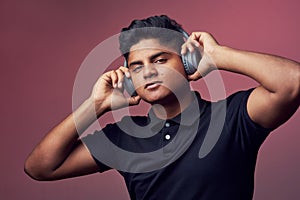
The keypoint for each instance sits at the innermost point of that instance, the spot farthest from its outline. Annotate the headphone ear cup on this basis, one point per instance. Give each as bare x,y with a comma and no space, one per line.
191,61
128,85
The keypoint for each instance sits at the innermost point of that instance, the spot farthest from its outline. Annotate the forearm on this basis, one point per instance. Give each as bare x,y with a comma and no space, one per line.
56,146
278,96
57,156
275,74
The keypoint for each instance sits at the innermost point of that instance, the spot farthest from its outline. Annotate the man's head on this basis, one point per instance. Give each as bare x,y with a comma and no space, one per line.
152,48
160,27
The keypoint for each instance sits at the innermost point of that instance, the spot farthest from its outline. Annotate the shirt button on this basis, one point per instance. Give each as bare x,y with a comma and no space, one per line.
167,137
167,124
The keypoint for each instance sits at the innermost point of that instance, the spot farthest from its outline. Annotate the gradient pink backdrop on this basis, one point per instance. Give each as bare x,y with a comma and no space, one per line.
43,44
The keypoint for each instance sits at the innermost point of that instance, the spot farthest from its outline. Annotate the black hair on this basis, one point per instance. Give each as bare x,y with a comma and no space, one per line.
157,27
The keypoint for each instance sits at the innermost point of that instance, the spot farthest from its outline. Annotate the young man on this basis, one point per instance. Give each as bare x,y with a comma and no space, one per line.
164,160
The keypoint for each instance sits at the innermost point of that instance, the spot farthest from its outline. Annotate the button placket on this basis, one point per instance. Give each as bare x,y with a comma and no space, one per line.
167,136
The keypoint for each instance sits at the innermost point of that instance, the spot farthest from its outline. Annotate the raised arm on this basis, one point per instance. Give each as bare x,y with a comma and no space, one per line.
61,154
278,96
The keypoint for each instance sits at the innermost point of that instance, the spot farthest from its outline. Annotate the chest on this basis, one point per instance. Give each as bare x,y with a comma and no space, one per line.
223,166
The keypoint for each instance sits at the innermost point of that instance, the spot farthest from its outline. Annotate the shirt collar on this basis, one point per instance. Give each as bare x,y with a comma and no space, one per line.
186,118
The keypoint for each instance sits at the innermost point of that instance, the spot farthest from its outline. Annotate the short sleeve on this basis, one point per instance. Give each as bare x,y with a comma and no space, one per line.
94,145
107,145
247,133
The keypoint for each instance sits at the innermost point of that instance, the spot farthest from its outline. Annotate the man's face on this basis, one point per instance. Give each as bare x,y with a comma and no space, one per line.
156,71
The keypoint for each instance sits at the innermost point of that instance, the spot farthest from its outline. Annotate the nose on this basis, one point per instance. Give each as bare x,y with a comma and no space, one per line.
149,71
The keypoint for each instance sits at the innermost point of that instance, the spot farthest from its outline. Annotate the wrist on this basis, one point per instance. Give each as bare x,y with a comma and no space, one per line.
96,106
219,56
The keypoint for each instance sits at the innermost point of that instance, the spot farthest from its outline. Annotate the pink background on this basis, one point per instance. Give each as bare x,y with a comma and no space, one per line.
43,43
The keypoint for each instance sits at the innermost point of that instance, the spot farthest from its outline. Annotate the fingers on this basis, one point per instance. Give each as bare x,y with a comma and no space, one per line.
114,78
120,76
191,43
117,77
199,39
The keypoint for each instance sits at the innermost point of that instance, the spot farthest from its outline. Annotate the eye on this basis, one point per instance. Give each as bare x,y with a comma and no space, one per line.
137,68
161,60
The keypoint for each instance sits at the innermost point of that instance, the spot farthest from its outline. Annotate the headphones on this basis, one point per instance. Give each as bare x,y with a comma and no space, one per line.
190,62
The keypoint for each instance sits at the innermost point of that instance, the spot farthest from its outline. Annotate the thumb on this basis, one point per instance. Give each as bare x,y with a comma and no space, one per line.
134,100
195,76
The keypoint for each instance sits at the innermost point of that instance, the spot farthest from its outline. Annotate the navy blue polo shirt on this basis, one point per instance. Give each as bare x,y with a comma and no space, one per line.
207,152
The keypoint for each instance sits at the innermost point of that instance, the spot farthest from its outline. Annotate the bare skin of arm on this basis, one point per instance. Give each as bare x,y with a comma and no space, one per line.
278,96
61,154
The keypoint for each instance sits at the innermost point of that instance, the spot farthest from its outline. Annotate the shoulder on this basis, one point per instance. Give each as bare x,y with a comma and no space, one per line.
128,124
236,103
138,120
231,105
237,113
239,97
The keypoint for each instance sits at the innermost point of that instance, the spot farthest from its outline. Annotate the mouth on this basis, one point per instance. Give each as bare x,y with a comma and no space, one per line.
153,85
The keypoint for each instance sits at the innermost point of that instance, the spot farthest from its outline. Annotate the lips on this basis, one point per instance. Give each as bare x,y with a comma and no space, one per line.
153,85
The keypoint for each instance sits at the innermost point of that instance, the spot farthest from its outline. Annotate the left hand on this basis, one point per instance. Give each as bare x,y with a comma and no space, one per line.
207,46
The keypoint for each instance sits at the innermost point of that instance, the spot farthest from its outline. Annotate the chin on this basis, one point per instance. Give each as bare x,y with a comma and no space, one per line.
158,97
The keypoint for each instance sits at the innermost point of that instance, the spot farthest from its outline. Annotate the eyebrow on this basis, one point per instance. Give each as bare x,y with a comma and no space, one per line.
138,62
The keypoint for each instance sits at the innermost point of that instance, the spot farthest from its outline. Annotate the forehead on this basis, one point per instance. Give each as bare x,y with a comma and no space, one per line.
148,46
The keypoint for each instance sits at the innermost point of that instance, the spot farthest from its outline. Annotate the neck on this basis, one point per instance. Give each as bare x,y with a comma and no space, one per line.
172,107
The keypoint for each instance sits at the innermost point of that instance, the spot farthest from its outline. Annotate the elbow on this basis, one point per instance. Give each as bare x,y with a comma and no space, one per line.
29,169
35,172
298,83
32,175
291,89
295,92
